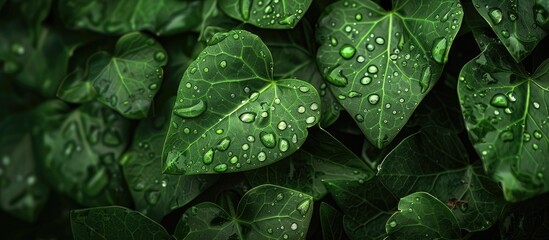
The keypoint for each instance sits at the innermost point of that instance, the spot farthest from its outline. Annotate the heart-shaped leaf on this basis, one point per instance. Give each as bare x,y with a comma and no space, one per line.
505,111
115,223
435,161
230,115
264,212
380,64
420,216
278,14
519,33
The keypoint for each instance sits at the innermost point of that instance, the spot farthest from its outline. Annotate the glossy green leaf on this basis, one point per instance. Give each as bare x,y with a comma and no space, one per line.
115,223
332,223
264,212
278,14
322,157
435,161
505,111
294,56
23,192
380,64
125,81
420,216
230,115
366,205
79,153
156,194
118,17
519,25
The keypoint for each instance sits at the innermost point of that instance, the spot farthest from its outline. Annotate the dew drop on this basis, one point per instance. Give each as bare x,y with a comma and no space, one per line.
499,100
337,78
359,118
366,80
505,34
191,111
293,226
372,69
370,47
380,40
303,206
220,167
310,120
234,160
159,56
425,81
393,224
373,99
247,117
438,51
333,41
496,15
283,145
267,139
507,136
223,64
347,51
538,134
152,197
224,144
208,157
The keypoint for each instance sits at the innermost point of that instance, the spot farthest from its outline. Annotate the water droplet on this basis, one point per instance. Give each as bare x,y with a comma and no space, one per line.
261,156
310,120
505,34
359,118
139,185
152,197
535,146
301,109
69,149
366,80
279,196
495,15
314,106
270,230
191,111
347,51
499,100
282,125
393,223
370,47
17,48
438,51
208,157
268,9
536,105
223,64
538,134
373,99
304,89
293,226
267,139
290,20
380,40
245,146
283,145
425,81
353,94
220,167
333,41
153,86
303,206
247,117
541,14
224,144
372,69
159,56
337,78
507,136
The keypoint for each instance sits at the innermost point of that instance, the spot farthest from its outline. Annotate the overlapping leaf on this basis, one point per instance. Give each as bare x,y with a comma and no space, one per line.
380,64
505,111
332,223
230,115
264,212
277,14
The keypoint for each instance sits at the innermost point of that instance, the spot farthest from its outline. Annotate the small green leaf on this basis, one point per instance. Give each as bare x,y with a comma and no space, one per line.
162,17
380,64
332,223
264,212
420,216
519,26
230,115
435,161
115,223
279,14
75,90
505,111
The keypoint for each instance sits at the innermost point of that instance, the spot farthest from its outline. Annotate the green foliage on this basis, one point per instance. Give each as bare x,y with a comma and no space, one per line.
274,119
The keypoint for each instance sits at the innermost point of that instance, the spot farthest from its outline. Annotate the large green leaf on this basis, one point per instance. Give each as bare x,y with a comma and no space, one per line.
23,192
115,223
380,64
277,14
79,153
322,157
505,111
435,161
126,81
366,205
520,25
264,212
332,223
156,194
422,216
161,17
230,115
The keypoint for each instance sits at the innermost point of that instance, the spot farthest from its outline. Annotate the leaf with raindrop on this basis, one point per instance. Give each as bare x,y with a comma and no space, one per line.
78,153
126,81
520,33
506,115
115,222
380,64
435,161
156,194
366,206
322,157
162,17
275,14
331,221
264,212
230,115
420,215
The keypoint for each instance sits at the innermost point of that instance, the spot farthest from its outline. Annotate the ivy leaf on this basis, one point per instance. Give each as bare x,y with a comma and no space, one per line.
332,223
419,216
505,111
435,161
230,115
366,205
380,64
114,222
519,33
79,153
126,81
156,194
264,212
322,157
162,17
282,14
